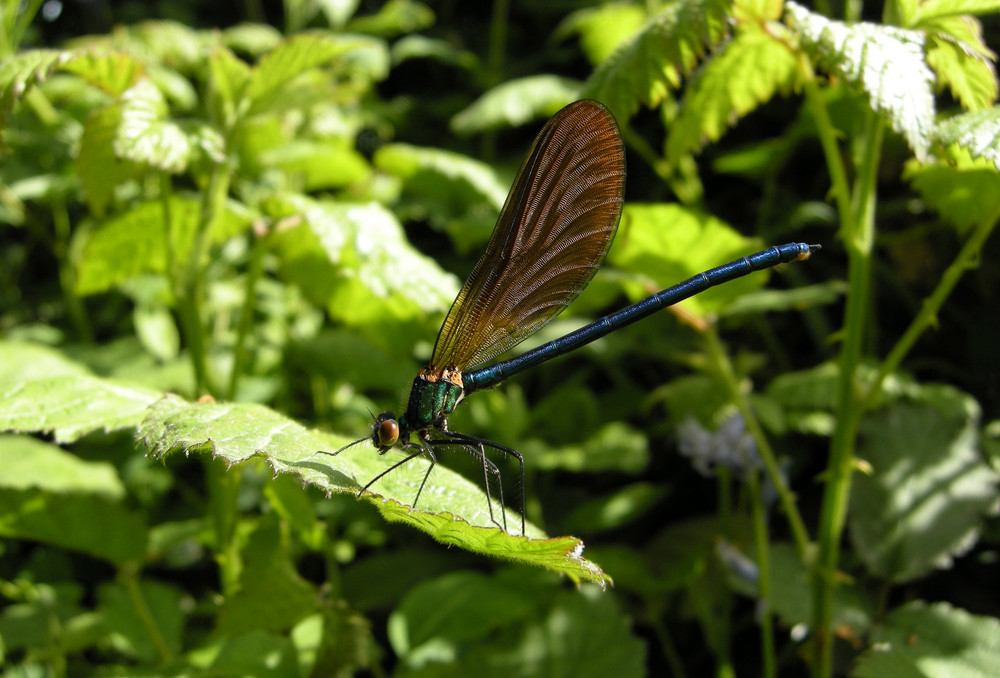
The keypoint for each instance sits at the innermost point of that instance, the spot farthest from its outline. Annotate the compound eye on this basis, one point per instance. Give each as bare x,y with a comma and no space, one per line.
387,433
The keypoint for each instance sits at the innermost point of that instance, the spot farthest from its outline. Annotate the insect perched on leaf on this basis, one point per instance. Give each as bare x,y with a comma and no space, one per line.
551,237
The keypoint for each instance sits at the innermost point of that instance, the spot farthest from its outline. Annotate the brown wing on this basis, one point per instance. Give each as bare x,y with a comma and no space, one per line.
552,235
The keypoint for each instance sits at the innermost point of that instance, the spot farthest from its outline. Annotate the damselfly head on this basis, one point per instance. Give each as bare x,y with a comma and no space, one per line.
385,432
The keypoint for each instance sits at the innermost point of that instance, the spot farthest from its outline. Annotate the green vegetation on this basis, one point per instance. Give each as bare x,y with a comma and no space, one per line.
224,247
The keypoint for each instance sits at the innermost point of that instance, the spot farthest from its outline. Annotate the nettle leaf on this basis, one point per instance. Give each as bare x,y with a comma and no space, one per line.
355,260
647,66
602,29
977,132
144,135
886,62
51,496
135,242
957,54
667,243
922,640
297,55
51,394
749,70
452,509
516,102
930,489
24,70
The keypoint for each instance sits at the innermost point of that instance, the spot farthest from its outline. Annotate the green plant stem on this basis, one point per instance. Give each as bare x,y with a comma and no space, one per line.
246,313
927,316
858,237
14,27
223,492
129,577
724,368
688,191
67,272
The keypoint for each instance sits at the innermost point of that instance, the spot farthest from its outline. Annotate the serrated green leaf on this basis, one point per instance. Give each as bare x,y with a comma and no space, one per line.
921,640
668,243
24,70
52,497
885,62
393,18
72,406
172,43
930,489
516,102
602,29
144,135
23,361
271,595
977,132
749,70
970,77
930,9
406,161
135,242
646,67
112,72
294,57
452,510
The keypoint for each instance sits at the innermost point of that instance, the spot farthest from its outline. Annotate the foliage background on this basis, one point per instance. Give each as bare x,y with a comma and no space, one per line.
265,211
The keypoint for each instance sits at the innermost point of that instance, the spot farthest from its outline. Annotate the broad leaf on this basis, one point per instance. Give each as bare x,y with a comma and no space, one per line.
930,490
963,191
112,72
885,62
395,17
978,133
921,640
50,496
22,71
452,509
144,135
667,243
128,624
962,62
516,102
602,29
930,9
751,68
650,64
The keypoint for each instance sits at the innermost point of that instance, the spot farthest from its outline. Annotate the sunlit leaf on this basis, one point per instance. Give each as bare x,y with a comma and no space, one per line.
112,72
963,191
452,509
254,39
422,47
930,488
516,102
930,9
602,29
750,69
977,132
27,69
130,633
393,18
885,62
962,62
145,136
317,164
650,64
922,640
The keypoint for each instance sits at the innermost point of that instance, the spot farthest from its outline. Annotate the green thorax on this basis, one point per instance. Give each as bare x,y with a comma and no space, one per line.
433,396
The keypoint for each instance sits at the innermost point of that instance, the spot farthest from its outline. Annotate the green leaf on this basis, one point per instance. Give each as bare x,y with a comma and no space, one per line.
964,192
100,170
422,47
271,595
252,39
22,71
135,242
394,18
921,640
52,394
147,628
51,496
330,163
647,66
258,654
930,9
452,509
296,56
930,489
809,398
962,62
667,243
409,162
112,72
144,136
885,62
750,69
516,102
602,29
977,132
355,260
